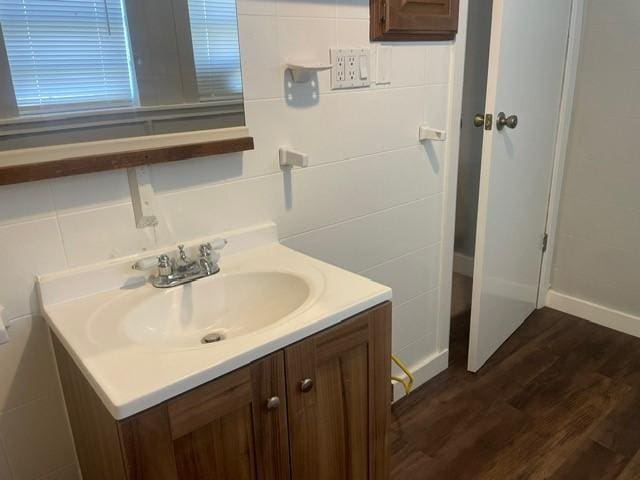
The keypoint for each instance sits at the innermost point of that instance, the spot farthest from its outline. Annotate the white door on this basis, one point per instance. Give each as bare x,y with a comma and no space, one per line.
526,70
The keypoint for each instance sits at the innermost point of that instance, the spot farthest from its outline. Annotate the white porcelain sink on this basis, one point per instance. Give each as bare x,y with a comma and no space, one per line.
138,345
229,305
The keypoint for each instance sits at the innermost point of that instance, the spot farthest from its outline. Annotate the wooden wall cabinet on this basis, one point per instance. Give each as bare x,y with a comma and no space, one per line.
411,20
327,419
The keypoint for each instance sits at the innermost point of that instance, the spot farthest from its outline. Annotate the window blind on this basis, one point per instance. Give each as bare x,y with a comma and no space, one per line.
216,52
67,54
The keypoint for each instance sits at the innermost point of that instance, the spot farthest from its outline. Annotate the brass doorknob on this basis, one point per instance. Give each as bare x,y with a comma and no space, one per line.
503,121
306,385
478,120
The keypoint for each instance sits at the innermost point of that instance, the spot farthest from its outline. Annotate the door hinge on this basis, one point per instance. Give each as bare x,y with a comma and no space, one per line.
545,242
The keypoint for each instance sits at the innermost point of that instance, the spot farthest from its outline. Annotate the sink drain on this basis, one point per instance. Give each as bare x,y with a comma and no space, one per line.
212,338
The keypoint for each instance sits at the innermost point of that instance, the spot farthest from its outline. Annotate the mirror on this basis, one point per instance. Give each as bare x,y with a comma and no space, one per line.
86,70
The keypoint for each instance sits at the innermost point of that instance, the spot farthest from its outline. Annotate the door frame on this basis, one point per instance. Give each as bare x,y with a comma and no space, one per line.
576,27
450,186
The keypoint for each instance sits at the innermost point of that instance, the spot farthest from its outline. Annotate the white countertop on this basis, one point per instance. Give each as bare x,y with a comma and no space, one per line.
130,377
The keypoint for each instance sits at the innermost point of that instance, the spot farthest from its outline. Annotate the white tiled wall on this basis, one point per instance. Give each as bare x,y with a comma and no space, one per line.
596,254
370,201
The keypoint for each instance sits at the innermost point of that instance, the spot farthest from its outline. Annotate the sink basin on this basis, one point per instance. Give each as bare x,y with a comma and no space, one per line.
221,307
138,345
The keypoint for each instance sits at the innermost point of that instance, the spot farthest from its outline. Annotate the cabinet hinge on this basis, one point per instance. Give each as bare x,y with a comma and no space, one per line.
545,242
384,9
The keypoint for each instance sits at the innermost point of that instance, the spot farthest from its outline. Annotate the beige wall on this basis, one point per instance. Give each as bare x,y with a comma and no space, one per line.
475,86
597,256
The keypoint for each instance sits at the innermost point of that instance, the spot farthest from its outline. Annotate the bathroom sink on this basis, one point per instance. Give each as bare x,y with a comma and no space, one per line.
139,345
202,313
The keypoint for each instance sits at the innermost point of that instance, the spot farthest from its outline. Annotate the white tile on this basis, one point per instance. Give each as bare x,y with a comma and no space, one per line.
256,7
97,235
207,211
327,195
196,172
438,60
28,370
27,249
353,9
408,64
306,40
307,8
353,33
24,202
36,438
437,106
379,120
414,319
410,275
364,242
311,129
85,192
5,471
262,68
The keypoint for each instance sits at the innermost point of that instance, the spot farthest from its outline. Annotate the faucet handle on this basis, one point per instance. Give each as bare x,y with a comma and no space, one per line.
207,248
218,244
146,263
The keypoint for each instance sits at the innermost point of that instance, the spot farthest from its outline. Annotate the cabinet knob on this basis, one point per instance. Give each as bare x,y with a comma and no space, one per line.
273,403
306,385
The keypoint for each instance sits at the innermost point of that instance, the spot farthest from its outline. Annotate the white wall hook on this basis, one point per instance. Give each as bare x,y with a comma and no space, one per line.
301,71
428,133
291,158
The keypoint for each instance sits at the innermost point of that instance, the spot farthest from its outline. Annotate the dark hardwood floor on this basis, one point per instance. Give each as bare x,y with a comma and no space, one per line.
559,400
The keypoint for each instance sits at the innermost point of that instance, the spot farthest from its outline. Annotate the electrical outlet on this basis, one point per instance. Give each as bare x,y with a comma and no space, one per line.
350,68
339,69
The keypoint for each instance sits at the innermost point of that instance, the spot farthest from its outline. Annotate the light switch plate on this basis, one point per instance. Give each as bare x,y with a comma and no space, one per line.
351,68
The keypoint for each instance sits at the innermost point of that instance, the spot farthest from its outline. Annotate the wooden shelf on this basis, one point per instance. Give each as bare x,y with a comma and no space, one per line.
112,161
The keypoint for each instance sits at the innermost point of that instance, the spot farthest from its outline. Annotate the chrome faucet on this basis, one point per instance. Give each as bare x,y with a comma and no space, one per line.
182,269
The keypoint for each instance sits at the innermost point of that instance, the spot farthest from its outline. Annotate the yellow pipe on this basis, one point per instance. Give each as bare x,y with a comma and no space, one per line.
408,385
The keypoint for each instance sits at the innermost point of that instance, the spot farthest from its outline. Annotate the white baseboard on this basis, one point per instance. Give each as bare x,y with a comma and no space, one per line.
424,371
605,316
463,264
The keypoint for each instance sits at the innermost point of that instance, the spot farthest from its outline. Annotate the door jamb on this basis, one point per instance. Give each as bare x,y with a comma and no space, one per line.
562,140
450,182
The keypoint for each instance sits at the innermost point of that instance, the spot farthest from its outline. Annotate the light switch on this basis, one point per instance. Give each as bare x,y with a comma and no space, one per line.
364,67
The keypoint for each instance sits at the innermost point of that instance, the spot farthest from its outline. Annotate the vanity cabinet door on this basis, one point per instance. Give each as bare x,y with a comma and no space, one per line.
339,399
226,429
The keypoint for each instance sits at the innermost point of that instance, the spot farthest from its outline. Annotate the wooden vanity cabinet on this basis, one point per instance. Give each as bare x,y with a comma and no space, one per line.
319,409
338,425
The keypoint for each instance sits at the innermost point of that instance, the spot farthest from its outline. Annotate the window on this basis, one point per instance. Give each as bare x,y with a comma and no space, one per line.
67,54
215,47
85,70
